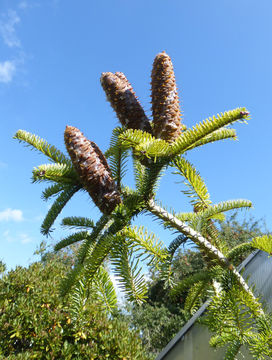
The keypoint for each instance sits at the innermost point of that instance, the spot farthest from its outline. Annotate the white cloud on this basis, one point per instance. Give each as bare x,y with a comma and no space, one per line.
7,29
23,5
11,215
25,239
7,71
7,236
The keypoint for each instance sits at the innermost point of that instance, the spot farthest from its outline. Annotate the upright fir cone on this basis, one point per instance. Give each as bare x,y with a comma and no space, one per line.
122,98
165,101
93,170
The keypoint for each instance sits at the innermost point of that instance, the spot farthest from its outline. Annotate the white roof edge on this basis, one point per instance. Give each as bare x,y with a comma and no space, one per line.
199,312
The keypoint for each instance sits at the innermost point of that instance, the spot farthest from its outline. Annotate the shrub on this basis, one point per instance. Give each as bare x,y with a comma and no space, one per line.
36,324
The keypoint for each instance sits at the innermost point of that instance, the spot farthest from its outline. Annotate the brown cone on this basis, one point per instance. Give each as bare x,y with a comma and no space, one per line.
124,101
93,170
165,101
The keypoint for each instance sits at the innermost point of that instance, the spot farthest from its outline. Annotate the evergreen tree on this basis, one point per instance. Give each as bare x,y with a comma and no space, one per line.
155,146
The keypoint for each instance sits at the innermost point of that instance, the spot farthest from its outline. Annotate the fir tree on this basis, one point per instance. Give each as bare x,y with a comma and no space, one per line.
163,143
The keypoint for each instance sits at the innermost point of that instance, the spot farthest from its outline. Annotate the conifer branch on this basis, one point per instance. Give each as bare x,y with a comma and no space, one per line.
190,137
72,239
232,350
211,129
225,206
43,146
239,250
60,173
197,187
105,291
90,258
52,190
77,222
139,171
175,244
150,180
145,243
126,267
199,240
217,135
263,243
166,273
194,298
57,207
189,232
83,252
186,283
118,157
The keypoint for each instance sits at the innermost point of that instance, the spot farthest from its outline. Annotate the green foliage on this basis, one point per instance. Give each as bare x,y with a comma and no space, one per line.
156,324
52,190
188,283
197,188
59,173
36,143
149,181
166,267
239,252
100,287
231,308
217,135
72,239
36,324
2,267
176,243
147,245
236,231
78,222
151,156
145,144
126,268
118,157
191,137
222,207
85,249
194,298
263,243
180,276
56,208
114,239
104,288
232,350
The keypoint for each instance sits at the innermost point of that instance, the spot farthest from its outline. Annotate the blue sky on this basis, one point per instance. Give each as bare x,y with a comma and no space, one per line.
52,53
